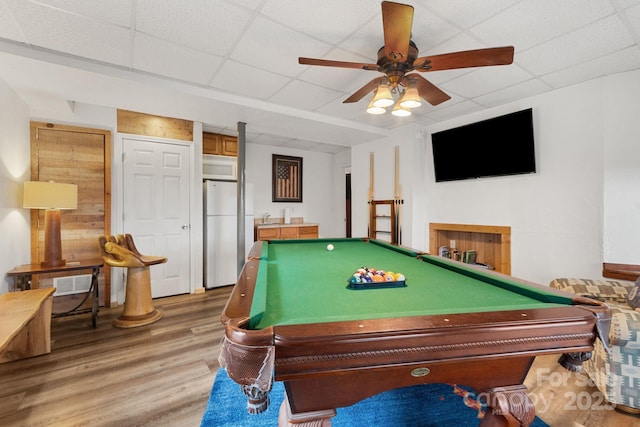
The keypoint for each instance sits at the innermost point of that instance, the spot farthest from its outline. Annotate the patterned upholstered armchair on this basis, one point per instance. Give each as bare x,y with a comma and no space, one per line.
616,374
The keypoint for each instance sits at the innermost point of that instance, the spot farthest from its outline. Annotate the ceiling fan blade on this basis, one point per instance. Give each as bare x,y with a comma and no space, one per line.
397,20
360,93
466,59
427,90
341,64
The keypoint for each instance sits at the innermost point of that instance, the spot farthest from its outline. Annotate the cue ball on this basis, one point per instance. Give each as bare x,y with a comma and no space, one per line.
329,247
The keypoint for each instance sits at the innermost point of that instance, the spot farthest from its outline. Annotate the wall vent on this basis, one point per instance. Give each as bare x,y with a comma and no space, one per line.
68,285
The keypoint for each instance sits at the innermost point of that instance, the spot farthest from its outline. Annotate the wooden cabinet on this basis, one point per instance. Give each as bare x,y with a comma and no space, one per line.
221,145
302,231
288,232
308,232
491,242
229,145
267,233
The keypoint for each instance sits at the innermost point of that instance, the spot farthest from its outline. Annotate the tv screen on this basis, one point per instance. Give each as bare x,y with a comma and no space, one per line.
495,147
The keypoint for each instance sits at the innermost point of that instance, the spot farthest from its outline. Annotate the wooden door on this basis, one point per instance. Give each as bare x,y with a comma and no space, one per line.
78,156
156,208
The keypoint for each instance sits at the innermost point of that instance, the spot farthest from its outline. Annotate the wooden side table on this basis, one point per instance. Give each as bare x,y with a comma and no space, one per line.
24,273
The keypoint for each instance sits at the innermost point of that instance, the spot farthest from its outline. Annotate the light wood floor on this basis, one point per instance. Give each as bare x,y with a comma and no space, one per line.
161,374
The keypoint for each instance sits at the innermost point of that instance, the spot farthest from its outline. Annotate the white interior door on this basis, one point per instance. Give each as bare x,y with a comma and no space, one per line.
156,209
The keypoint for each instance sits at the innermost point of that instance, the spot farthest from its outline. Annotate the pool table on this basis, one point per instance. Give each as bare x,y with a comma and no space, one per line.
292,317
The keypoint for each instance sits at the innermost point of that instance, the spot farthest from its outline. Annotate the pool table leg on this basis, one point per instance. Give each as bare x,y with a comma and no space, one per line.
508,406
304,419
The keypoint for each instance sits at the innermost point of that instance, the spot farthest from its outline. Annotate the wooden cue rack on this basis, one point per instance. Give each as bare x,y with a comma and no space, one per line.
384,215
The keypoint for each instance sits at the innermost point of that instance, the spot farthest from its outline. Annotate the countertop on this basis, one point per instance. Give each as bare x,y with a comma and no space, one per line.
277,225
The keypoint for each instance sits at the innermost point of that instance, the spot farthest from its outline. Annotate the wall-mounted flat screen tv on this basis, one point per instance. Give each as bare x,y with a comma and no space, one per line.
499,146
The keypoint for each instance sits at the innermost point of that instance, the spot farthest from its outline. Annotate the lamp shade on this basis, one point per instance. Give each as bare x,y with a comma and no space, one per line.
49,195
400,111
372,109
410,97
383,97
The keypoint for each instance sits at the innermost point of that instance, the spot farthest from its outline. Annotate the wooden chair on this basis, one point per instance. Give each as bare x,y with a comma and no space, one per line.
138,310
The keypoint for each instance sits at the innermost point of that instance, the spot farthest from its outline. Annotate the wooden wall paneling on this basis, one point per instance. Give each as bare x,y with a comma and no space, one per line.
146,124
80,156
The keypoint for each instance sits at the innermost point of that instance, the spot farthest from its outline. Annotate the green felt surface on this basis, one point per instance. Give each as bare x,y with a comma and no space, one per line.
302,282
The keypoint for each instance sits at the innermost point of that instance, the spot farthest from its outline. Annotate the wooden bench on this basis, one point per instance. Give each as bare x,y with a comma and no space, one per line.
25,324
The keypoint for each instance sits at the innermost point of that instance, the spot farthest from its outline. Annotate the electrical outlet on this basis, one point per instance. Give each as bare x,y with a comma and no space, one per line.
452,244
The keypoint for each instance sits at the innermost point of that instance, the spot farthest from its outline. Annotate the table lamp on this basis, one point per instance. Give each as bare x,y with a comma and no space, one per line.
52,197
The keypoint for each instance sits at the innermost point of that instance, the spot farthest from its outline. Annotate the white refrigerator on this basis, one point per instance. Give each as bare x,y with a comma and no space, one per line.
220,231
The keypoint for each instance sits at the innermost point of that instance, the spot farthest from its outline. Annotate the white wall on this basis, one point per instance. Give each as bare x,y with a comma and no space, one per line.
622,169
14,170
317,180
556,215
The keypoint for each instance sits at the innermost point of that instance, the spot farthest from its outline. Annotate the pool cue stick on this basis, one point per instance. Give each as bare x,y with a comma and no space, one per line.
397,196
370,201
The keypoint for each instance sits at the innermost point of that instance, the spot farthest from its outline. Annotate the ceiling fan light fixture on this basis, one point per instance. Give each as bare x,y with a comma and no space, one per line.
372,109
383,97
410,97
400,111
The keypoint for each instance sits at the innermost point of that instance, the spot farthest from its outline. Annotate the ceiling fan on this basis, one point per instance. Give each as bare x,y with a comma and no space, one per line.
399,56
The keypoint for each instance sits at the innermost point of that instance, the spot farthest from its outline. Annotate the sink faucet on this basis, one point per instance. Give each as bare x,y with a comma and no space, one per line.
265,218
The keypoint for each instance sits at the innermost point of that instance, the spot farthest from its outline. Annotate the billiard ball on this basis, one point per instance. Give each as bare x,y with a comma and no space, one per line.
329,247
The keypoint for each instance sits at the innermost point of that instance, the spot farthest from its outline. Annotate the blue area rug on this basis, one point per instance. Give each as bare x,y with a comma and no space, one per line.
429,405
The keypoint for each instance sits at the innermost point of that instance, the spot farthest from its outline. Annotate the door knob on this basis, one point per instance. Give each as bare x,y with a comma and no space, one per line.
185,226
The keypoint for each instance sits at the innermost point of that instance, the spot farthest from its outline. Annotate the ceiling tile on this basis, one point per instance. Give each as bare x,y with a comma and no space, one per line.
623,4
461,108
58,30
587,43
249,4
158,56
304,95
531,22
521,90
617,62
8,26
366,41
465,13
271,46
345,17
485,80
209,26
248,81
113,11
633,19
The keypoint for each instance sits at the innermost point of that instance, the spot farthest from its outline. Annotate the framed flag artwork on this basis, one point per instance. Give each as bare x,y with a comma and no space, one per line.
287,179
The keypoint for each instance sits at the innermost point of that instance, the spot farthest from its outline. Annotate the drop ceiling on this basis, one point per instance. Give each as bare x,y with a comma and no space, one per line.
228,61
